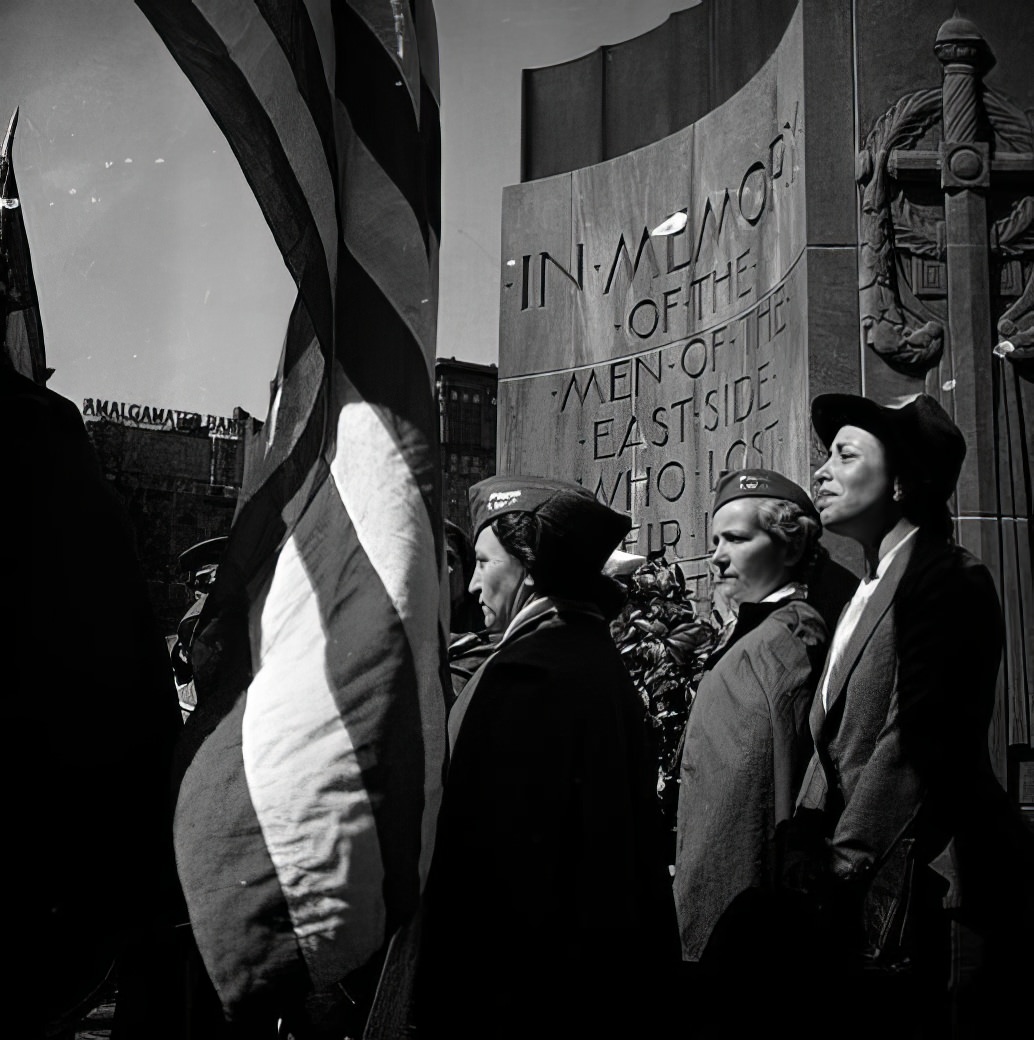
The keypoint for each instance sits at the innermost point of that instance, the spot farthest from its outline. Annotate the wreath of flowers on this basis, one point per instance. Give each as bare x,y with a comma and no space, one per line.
664,643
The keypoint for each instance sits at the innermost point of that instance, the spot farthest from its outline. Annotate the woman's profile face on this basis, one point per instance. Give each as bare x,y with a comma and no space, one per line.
747,562
498,577
855,488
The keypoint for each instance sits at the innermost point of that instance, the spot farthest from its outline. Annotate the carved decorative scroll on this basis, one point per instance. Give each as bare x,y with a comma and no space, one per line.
908,340
1016,326
895,323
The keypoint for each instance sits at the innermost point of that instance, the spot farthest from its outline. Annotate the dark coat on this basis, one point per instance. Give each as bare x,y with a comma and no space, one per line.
548,908
91,707
468,651
901,777
746,748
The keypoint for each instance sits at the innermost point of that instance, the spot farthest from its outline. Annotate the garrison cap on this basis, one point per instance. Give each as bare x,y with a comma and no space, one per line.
761,483
575,518
202,554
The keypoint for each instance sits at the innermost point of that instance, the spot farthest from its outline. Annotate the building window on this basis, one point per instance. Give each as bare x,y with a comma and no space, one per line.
464,415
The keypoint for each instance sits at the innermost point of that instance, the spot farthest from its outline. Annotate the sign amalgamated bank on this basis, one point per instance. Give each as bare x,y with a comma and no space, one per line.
156,418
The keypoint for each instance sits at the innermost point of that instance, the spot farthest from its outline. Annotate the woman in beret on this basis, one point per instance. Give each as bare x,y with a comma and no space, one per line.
900,817
747,741
548,909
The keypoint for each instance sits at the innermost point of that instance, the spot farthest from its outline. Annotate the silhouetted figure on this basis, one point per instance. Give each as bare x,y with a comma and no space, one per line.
92,720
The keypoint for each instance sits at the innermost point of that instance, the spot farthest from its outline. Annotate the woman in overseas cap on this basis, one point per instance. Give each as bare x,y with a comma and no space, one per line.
548,907
902,831
747,741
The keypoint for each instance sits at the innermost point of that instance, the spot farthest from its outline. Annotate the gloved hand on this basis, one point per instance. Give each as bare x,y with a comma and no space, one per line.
803,854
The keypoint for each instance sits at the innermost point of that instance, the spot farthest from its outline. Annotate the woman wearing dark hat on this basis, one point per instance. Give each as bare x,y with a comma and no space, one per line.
900,815
747,741
548,909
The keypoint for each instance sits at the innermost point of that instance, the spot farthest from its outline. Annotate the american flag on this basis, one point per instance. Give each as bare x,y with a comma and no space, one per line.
20,324
311,770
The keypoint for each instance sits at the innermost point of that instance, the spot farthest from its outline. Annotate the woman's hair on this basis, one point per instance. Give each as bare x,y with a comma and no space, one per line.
518,534
790,524
918,503
923,508
546,555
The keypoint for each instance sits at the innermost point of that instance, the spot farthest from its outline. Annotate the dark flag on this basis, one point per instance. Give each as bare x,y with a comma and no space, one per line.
20,323
311,770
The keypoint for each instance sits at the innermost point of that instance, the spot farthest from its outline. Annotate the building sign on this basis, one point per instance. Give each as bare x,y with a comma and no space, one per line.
654,315
155,418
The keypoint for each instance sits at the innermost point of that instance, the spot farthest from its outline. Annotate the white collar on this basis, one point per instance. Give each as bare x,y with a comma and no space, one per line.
884,565
791,590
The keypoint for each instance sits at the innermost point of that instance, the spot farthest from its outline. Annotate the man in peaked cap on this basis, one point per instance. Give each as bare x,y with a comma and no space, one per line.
199,563
548,907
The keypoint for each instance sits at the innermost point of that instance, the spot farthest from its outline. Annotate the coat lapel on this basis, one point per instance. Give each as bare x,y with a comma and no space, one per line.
870,617
528,618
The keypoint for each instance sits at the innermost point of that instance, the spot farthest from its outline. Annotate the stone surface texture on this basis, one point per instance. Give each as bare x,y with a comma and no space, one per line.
853,211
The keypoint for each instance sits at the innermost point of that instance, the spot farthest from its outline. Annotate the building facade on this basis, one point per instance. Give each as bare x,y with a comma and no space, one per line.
467,427
178,474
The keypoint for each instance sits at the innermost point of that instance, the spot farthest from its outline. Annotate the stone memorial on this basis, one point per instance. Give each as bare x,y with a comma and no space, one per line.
759,202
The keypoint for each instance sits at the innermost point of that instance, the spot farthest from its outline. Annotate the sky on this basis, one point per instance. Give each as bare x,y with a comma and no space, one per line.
159,282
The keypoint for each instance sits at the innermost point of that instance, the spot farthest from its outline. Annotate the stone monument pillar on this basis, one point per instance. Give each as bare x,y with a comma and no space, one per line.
758,202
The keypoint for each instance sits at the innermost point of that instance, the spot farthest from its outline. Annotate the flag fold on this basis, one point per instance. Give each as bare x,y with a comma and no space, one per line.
311,770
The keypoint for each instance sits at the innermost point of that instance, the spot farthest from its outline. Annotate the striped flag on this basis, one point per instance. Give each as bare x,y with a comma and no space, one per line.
311,770
20,322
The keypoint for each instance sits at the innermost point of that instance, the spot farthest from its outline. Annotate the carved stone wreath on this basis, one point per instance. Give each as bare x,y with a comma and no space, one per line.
895,323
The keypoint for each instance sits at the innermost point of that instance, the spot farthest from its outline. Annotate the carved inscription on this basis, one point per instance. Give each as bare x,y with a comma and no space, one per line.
652,433
654,313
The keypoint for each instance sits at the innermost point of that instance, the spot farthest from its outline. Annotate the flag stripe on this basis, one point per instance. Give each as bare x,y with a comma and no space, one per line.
292,26
302,766
387,129
239,917
385,505
265,69
377,690
321,18
427,46
389,512
292,437
405,402
386,239
387,22
407,393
